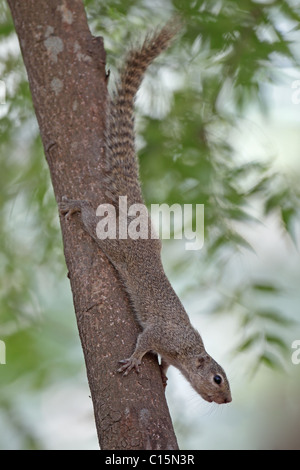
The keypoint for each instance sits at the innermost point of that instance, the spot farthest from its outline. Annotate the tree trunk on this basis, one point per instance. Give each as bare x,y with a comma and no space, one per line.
66,72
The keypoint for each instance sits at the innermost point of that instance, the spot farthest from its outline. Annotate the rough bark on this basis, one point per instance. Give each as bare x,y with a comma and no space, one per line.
66,71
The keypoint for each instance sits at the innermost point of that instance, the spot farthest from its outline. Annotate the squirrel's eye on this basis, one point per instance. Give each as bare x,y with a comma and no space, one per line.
217,379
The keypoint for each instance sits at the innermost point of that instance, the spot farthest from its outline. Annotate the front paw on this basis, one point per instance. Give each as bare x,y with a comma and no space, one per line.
129,364
67,207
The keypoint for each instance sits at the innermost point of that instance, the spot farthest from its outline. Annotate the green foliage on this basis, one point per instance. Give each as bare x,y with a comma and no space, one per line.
230,52
263,329
30,249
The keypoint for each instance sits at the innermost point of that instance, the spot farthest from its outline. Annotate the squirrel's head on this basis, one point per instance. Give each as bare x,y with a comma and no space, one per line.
209,379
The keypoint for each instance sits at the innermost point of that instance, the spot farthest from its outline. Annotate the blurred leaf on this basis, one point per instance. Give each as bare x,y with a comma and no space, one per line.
275,317
267,288
274,201
278,342
241,241
249,342
270,360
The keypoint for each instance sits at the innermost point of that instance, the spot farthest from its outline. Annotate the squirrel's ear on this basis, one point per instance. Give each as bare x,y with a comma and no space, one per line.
202,359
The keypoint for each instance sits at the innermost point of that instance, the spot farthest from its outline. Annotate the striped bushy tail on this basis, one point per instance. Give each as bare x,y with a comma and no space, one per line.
120,134
137,62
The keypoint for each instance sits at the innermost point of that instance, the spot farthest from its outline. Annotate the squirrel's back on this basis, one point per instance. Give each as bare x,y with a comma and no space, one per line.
122,164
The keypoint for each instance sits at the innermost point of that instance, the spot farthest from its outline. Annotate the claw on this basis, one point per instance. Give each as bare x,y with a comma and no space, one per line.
67,207
129,364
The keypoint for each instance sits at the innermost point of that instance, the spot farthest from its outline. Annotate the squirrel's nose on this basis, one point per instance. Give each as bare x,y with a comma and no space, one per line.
227,400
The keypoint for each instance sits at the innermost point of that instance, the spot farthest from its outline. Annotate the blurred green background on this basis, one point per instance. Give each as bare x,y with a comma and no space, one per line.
218,121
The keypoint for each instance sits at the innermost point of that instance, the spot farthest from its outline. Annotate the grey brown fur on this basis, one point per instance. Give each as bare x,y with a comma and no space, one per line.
166,326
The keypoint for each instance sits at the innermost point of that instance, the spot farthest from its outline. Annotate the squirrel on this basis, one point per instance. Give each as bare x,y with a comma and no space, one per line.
166,328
